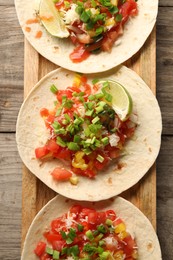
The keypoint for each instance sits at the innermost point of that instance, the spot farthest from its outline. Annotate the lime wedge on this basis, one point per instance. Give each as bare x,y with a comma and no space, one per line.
52,20
121,99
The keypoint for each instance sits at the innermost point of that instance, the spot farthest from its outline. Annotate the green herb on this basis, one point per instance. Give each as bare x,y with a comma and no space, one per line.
118,17
85,16
80,227
53,89
100,158
49,250
105,140
102,229
60,142
73,146
109,222
89,235
56,254
94,81
95,120
58,112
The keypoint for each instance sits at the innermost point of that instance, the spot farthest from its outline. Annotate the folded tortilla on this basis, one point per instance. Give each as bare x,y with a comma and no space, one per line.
137,225
57,50
140,151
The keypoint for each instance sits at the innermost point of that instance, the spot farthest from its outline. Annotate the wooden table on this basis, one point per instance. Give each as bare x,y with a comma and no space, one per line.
11,96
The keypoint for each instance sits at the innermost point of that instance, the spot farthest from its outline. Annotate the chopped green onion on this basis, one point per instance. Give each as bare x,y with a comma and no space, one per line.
85,16
58,112
60,142
53,89
109,222
100,158
99,30
90,105
101,243
64,250
108,97
56,125
95,120
73,146
94,81
99,95
76,139
102,229
91,97
89,112
93,140
80,227
89,235
87,132
69,241
67,117
56,254
74,251
79,9
118,17
113,10
100,250
60,131
49,250
87,151
104,255
105,140
93,3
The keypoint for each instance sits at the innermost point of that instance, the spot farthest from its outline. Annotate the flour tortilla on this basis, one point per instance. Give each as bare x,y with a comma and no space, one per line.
141,150
57,50
137,224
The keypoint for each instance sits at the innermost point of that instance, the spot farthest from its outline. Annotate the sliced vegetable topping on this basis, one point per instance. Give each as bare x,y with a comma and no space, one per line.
88,127
92,25
84,233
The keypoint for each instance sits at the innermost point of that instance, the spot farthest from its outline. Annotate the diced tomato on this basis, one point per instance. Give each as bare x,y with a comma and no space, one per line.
101,217
46,257
56,224
110,214
60,94
92,217
127,9
40,248
130,243
117,222
44,112
61,174
49,120
79,54
52,146
109,40
76,209
40,152
51,237
58,245
63,153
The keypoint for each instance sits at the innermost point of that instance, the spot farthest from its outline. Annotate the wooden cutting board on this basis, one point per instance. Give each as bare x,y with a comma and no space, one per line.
35,194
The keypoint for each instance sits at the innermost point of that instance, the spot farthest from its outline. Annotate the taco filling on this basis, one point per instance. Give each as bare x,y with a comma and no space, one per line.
84,129
84,233
94,25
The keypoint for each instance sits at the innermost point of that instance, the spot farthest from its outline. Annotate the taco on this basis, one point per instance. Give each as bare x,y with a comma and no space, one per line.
89,36
111,229
133,162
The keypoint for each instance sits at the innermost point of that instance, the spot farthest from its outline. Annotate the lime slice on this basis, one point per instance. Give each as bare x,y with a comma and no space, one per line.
121,99
52,20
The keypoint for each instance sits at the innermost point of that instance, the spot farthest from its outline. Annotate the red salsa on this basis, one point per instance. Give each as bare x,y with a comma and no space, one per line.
94,25
84,233
84,130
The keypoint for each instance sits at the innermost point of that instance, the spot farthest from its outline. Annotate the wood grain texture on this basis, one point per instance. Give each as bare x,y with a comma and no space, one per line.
10,198
165,197
164,67
11,68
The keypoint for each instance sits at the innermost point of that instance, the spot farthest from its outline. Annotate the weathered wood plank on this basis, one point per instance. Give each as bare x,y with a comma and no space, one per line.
165,197
10,198
11,68
164,67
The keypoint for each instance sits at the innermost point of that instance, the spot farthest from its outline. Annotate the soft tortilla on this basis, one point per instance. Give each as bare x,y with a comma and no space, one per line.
141,150
137,224
57,50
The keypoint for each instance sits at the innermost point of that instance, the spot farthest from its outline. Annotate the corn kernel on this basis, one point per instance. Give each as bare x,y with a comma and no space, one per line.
77,80
120,228
74,180
118,255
